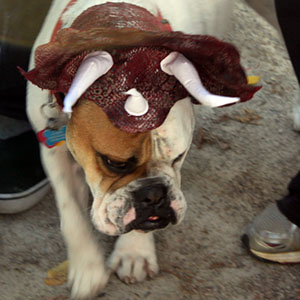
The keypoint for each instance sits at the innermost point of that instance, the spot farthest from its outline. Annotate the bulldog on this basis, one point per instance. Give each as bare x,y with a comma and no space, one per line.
123,77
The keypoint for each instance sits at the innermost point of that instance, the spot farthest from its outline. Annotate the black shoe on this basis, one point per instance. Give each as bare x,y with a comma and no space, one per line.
23,182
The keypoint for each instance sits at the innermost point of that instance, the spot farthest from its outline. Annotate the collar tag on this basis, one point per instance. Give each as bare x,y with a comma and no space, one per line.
52,138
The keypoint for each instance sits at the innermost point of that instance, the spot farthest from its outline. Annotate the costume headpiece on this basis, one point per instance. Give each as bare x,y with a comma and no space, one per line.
125,60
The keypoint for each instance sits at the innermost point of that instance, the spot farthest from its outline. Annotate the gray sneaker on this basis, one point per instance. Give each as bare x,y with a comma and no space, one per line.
23,182
273,237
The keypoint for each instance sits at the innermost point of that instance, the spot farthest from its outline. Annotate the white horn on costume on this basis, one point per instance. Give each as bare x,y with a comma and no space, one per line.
93,66
179,66
136,104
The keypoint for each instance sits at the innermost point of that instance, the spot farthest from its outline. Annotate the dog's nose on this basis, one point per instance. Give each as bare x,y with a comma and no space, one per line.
154,195
152,206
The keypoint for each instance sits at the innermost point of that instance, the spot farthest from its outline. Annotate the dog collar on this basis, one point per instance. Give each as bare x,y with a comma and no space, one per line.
52,138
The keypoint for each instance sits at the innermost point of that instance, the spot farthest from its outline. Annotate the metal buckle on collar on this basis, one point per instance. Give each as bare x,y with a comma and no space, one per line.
55,132
51,111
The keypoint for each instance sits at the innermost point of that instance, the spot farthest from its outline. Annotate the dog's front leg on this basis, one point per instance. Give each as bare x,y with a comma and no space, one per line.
87,274
134,257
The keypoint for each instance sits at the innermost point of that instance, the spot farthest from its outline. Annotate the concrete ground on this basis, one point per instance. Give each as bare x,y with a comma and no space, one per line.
266,8
241,160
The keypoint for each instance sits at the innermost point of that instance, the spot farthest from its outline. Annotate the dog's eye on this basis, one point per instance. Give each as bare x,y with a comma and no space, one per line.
177,159
116,164
119,167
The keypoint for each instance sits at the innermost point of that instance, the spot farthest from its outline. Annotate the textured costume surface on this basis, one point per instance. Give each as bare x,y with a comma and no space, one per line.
138,42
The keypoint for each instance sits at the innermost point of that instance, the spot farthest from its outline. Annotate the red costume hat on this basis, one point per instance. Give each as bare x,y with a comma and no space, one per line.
138,42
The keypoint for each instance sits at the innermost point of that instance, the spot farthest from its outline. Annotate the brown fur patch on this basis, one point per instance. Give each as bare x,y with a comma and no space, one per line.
90,132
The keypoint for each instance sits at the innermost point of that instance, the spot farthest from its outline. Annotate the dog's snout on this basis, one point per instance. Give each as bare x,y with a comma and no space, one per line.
154,195
152,206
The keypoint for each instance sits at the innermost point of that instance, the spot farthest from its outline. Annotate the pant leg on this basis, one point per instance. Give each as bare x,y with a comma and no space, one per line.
288,15
12,83
290,205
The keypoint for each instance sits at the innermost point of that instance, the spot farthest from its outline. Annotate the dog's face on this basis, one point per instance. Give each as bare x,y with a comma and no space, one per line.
134,178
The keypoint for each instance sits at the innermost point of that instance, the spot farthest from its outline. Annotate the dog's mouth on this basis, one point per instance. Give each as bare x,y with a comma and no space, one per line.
121,215
151,221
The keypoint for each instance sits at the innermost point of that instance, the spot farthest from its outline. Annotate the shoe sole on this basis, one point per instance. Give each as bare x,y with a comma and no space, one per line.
281,258
19,202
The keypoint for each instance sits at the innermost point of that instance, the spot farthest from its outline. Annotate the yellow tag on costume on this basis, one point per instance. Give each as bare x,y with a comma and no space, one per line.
252,80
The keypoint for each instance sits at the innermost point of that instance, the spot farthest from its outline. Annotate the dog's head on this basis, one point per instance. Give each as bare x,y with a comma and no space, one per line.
131,156
134,177
131,129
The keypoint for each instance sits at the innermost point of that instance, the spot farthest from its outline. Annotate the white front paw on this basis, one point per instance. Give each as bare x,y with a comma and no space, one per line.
87,275
134,257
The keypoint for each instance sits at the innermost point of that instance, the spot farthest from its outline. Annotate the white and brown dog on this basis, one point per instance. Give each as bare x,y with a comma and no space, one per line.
132,173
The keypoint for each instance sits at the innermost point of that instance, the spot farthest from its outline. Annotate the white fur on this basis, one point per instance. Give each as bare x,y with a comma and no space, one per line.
133,264
87,273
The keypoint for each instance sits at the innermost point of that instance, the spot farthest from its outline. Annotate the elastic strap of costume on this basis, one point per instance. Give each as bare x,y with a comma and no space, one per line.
165,22
57,27
59,23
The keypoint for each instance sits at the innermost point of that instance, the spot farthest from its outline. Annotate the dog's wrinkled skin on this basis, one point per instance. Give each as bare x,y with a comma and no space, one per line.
158,156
